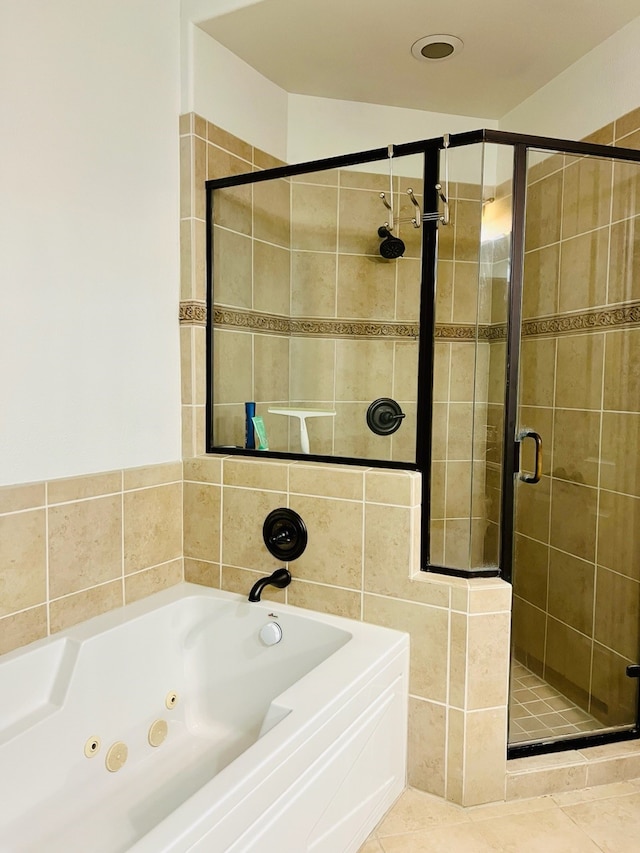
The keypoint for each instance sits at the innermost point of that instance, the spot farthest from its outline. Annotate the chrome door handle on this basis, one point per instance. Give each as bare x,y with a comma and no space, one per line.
535,477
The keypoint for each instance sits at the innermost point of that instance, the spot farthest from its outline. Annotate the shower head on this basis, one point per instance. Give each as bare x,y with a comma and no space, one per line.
391,247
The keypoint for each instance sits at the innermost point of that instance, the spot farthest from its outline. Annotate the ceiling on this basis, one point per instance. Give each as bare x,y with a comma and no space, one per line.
360,50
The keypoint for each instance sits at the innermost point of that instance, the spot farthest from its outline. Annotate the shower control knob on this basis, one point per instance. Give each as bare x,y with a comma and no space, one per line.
271,633
384,416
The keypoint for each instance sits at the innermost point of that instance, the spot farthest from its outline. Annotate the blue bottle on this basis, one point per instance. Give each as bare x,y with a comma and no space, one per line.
249,435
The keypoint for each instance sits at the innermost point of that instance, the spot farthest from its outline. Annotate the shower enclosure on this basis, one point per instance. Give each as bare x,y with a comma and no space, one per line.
507,330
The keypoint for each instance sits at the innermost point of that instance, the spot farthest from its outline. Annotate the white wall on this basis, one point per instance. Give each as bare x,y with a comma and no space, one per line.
89,249
598,88
230,93
322,127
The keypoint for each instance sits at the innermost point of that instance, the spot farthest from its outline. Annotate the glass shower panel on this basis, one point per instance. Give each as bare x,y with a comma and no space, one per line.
314,319
576,576
468,395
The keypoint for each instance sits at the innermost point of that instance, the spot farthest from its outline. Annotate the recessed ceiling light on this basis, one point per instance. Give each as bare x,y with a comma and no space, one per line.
437,47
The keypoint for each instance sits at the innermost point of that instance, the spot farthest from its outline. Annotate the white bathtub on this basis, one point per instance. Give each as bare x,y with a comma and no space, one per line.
298,746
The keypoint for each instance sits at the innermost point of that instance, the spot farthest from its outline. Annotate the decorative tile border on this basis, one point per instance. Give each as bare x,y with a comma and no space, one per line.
599,318
302,326
193,313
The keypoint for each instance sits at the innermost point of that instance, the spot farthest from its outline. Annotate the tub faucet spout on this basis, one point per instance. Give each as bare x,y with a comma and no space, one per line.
280,578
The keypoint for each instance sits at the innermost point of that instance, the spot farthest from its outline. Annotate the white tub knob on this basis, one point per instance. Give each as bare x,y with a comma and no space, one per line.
271,633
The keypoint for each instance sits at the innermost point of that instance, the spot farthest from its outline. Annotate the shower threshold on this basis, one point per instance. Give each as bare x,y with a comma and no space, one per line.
538,711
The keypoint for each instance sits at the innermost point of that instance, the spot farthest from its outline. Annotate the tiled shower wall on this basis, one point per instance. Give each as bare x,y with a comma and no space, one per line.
307,311
577,593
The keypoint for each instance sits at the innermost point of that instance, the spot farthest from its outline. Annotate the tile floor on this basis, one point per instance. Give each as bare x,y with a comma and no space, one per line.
538,711
605,819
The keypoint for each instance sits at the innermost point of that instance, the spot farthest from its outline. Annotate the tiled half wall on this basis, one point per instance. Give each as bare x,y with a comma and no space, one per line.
73,548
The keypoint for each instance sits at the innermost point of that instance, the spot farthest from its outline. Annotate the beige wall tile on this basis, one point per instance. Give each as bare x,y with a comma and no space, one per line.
271,368
85,544
535,784
571,590
152,526
540,290
313,284
68,611
263,160
427,746
314,218
531,566
232,371
586,197
626,179
576,446
408,276
391,558
312,373
485,756
185,177
458,661
537,369
232,206
152,475
428,628
254,474
22,560
611,688
401,488
624,261
22,628
232,143
357,207
627,123
622,371
366,288
16,498
364,369
142,584
544,200
204,469
327,177
488,661
199,175
463,359
202,521
568,661
619,533
617,613
202,572
77,488
465,291
573,519
243,515
330,481
271,278
467,219
326,599
232,272
579,372
334,549
583,271
620,470
242,580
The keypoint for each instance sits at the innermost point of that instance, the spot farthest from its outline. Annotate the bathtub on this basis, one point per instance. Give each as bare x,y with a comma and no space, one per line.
172,725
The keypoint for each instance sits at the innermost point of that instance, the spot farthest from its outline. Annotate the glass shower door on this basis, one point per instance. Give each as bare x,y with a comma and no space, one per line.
576,569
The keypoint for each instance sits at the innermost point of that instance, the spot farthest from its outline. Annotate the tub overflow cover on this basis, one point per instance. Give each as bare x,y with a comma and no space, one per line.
284,534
